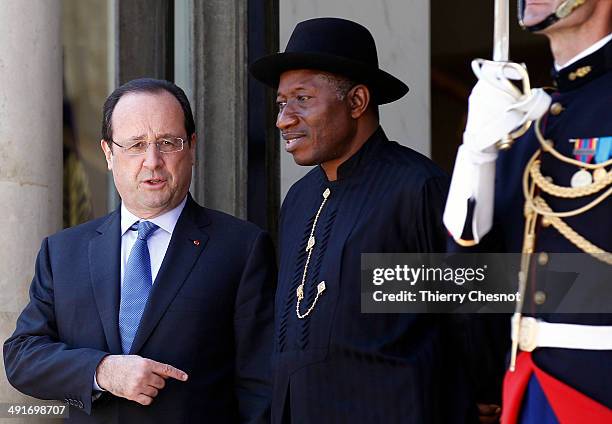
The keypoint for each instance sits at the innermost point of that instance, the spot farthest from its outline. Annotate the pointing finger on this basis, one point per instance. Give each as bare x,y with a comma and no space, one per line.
165,370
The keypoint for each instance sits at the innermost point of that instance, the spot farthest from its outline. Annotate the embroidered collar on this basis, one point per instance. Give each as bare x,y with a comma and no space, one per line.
584,70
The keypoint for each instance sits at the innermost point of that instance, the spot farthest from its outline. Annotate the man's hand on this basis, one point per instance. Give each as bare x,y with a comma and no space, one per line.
488,413
497,107
135,378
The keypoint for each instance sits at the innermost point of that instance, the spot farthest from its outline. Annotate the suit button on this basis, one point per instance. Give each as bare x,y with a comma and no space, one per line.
539,297
543,258
556,108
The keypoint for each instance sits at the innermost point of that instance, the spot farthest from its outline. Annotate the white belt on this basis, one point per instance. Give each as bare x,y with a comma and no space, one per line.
536,333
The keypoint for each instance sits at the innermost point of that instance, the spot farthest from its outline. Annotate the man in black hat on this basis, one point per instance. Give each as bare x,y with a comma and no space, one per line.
333,364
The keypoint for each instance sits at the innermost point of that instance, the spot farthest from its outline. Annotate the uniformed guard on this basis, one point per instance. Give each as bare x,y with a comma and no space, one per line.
545,191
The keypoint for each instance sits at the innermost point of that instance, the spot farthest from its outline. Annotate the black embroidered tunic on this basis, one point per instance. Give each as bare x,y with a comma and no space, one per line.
337,364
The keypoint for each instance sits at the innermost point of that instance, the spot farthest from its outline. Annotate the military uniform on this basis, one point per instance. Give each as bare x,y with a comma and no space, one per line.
554,383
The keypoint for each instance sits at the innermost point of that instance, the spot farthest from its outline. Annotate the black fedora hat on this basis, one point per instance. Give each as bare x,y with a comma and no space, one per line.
334,45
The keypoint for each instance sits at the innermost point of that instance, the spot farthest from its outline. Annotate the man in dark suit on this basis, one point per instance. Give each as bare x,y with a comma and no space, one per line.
160,311
332,363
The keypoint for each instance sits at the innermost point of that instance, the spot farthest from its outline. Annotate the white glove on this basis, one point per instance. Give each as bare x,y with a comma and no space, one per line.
471,179
496,108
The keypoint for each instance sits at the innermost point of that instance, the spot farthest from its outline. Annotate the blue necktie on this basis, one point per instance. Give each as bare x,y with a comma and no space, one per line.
136,286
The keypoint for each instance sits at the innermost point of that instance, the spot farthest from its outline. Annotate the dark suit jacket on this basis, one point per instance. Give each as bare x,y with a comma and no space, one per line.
210,314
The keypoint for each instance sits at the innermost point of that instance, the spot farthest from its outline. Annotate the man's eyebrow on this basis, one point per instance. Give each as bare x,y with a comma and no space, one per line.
137,137
143,137
165,135
294,90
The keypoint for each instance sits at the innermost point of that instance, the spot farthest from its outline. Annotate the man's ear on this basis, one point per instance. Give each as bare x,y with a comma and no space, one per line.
359,99
108,154
192,148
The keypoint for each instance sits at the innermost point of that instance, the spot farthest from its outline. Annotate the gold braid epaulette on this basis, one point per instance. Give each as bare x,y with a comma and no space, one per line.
536,205
566,192
570,234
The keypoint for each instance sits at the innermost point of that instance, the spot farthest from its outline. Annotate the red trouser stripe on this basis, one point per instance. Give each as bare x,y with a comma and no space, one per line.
569,405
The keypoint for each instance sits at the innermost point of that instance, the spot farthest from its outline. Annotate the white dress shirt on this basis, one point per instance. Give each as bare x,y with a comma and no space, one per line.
157,243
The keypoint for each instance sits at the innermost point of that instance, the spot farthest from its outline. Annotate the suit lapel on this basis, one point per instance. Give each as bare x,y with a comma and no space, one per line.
187,243
104,257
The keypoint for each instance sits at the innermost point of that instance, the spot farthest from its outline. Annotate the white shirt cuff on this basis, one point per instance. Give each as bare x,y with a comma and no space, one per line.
95,384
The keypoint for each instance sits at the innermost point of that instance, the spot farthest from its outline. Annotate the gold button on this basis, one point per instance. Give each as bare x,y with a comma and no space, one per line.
543,258
556,108
539,297
546,222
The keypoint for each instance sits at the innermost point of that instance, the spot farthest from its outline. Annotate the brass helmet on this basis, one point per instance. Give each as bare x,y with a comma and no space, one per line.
564,9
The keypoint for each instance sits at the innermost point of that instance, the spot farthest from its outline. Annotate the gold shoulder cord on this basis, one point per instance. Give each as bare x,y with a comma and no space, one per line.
536,206
309,248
